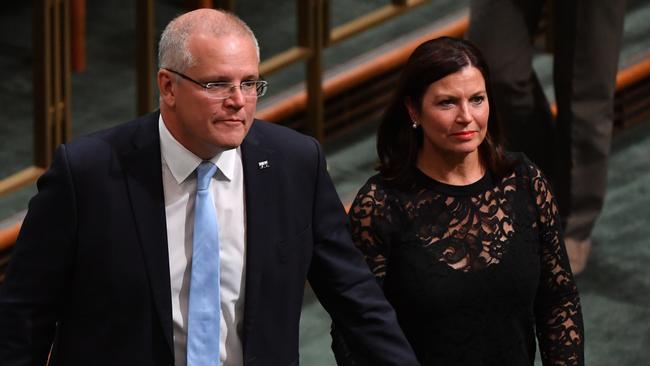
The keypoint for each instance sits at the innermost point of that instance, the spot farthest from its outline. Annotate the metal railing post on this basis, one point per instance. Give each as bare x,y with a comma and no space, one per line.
78,34
311,17
145,59
51,78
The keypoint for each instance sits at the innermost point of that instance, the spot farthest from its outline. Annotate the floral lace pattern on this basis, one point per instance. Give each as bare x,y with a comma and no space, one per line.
473,228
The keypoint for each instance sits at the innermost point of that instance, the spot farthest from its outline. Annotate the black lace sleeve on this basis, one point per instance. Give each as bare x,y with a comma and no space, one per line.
558,313
369,228
370,223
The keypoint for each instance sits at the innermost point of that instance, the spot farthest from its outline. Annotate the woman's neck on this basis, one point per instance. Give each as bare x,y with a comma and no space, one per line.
458,170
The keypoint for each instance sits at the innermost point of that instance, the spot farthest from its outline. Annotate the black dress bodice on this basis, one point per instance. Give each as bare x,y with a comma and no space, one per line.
474,272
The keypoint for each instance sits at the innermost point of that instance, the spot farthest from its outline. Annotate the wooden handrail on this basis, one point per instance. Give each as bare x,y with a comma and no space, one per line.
390,60
346,80
20,179
284,58
9,235
371,19
632,74
624,78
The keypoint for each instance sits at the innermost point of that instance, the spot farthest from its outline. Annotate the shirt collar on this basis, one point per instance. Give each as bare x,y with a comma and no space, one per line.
182,162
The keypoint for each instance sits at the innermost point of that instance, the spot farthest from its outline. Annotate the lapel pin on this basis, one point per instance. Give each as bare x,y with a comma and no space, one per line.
263,164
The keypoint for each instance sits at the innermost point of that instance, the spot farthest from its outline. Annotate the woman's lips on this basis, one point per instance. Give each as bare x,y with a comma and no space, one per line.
464,135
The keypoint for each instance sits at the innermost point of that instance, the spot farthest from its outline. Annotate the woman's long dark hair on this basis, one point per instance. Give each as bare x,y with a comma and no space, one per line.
398,143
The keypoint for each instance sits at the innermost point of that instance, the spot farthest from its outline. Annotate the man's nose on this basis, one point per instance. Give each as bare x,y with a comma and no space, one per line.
236,99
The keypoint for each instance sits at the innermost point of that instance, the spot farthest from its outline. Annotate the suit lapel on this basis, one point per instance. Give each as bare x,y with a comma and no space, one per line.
143,170
260,166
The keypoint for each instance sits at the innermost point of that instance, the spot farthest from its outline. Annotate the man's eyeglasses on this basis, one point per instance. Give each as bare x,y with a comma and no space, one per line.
223,90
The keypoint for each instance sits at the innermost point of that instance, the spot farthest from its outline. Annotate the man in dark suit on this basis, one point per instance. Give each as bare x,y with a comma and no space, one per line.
104,269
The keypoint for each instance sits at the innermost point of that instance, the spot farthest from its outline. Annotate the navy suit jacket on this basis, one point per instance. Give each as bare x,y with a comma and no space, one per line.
89,276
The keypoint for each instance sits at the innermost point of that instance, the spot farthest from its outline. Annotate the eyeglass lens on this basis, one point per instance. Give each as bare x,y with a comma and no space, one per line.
251,89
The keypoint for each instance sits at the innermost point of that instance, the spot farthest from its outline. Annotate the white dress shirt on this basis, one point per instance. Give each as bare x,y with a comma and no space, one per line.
227,190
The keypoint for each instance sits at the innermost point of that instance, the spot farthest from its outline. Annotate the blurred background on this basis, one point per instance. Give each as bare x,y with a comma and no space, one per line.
71,67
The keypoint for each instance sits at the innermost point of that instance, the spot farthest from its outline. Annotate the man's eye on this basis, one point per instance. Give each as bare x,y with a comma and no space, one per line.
219,86
249,84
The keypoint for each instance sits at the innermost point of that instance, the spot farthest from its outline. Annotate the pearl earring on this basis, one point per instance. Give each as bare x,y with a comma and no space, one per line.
414,125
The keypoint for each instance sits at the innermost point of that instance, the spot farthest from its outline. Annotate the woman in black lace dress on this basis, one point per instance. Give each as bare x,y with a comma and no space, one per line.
464,239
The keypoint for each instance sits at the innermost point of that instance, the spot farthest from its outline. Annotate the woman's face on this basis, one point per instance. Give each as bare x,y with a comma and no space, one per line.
454,114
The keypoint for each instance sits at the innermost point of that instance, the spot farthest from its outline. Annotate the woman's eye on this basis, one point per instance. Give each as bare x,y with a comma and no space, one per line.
446,103
478,99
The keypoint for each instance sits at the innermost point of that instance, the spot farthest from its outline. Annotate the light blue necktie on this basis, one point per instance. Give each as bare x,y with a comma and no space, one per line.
205,303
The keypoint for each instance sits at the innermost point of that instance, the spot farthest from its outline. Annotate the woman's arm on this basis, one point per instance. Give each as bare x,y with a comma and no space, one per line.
369,222
560,331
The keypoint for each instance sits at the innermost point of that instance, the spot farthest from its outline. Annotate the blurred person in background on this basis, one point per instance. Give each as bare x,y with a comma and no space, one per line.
573,150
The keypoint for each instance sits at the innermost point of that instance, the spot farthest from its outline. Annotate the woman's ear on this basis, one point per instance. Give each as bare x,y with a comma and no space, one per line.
411,108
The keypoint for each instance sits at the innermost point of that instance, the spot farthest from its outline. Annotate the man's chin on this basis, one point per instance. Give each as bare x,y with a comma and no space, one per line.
229,147
228,138
229,142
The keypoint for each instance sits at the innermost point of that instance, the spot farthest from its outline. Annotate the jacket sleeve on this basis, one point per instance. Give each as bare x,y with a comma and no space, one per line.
345,286
32,296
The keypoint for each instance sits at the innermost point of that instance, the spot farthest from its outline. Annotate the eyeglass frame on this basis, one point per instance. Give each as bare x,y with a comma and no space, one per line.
260,84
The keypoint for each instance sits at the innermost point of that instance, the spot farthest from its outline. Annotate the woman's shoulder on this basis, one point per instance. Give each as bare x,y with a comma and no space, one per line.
530,177
375,185
522,165
379,192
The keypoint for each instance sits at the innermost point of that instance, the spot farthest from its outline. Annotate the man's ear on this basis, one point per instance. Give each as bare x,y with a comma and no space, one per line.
166,86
